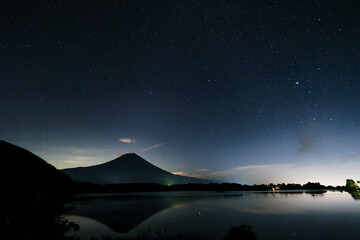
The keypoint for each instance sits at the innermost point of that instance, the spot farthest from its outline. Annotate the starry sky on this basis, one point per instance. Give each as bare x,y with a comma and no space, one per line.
237,91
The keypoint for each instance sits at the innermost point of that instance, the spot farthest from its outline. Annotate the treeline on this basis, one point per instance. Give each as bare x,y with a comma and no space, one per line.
154,187
307,186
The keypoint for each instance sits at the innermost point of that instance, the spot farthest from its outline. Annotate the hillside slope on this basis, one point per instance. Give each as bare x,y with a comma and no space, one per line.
129,168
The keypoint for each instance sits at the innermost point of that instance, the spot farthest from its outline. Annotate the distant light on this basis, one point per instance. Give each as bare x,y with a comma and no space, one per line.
297,83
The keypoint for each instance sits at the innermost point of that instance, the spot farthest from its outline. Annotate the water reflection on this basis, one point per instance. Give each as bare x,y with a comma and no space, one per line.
355,194
315,215
121,214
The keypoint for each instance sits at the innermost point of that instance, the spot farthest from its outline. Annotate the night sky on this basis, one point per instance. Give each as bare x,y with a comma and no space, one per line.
239,91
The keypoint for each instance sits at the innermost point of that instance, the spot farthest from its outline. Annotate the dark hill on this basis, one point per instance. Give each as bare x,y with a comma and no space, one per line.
129,168
23,171
33,196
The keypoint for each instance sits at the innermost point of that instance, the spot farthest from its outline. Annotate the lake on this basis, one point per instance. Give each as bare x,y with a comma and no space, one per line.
285,215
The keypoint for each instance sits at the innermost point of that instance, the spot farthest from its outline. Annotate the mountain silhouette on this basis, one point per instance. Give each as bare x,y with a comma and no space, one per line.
34,194
129,168
23,171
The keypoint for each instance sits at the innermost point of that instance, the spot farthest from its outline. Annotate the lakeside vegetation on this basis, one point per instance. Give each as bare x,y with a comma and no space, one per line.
81,187
353,188
351,185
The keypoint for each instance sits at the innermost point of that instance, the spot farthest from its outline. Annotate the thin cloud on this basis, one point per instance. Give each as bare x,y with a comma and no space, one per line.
84,158
151,147
202,170
180,173
350,157
118,154
237,170
307,144
81,159
254,167
78,150
127,140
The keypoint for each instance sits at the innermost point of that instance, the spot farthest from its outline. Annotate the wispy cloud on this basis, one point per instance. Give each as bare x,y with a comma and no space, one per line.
118,154
350,157
81,160
202,170
255,167
180,173
127,140
151,147
307,144
84,158
79,151
238,170
64,157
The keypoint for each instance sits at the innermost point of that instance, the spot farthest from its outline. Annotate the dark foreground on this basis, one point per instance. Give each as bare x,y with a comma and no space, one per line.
243,232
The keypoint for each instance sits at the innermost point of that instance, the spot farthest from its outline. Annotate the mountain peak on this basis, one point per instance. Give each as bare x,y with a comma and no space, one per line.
130,154
128,168
128,157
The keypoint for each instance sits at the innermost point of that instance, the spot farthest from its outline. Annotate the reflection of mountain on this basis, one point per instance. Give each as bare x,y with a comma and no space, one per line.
129,168
123,214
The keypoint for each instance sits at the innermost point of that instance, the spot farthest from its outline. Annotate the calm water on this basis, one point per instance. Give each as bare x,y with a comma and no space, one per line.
332,215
